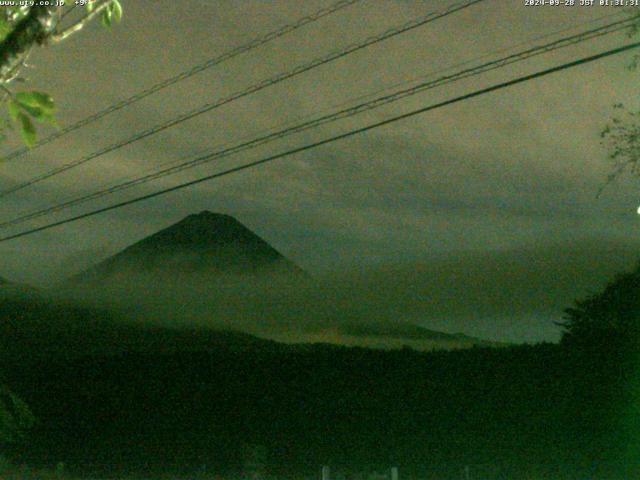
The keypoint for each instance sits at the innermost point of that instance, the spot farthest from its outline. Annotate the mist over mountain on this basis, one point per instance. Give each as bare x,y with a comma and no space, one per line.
208,271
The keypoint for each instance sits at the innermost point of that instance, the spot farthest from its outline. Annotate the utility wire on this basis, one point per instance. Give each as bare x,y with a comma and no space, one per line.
389,87
329,118
253,44
335,138
411,25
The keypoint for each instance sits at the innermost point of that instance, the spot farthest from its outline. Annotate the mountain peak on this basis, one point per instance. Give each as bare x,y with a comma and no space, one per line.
208,216
206,242
208,213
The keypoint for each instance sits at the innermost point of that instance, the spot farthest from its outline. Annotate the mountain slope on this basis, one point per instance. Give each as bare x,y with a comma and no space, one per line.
206,243
208,271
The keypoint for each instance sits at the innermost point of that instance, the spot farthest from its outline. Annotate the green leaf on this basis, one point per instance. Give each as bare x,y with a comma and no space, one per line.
35,112
36,100
106,17
28,131
37,104
112,13
116,9
5,28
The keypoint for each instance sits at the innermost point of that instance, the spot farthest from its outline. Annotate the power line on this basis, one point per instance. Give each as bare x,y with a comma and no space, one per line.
332,117
411,25
335,138
212,62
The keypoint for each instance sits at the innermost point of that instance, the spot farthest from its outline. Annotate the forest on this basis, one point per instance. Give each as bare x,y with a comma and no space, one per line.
234,405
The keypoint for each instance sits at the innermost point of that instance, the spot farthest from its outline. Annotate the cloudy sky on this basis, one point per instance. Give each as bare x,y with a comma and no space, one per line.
499,184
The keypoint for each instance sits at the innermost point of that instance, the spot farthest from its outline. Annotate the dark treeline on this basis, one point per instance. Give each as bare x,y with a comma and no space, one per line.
231,403
547,410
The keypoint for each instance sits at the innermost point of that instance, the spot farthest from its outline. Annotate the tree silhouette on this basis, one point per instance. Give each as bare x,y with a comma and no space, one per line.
604,329
611,317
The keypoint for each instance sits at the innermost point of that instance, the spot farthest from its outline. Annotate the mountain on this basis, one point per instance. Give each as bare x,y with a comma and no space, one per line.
38,326
208,271
205,243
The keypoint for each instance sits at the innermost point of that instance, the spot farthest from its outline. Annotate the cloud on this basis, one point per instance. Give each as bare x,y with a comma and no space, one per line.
507,170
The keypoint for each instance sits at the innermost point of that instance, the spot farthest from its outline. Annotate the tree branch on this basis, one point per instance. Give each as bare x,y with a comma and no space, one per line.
79,25
34,29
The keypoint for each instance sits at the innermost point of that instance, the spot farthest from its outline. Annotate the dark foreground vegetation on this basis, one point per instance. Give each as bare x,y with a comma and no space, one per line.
548,410
233,404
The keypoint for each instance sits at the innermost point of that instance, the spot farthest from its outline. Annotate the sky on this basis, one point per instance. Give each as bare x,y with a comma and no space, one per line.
495,188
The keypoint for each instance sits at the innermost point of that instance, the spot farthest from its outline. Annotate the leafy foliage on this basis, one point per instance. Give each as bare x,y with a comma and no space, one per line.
634,30
9,17
621,136
113,13
25,107
5,28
